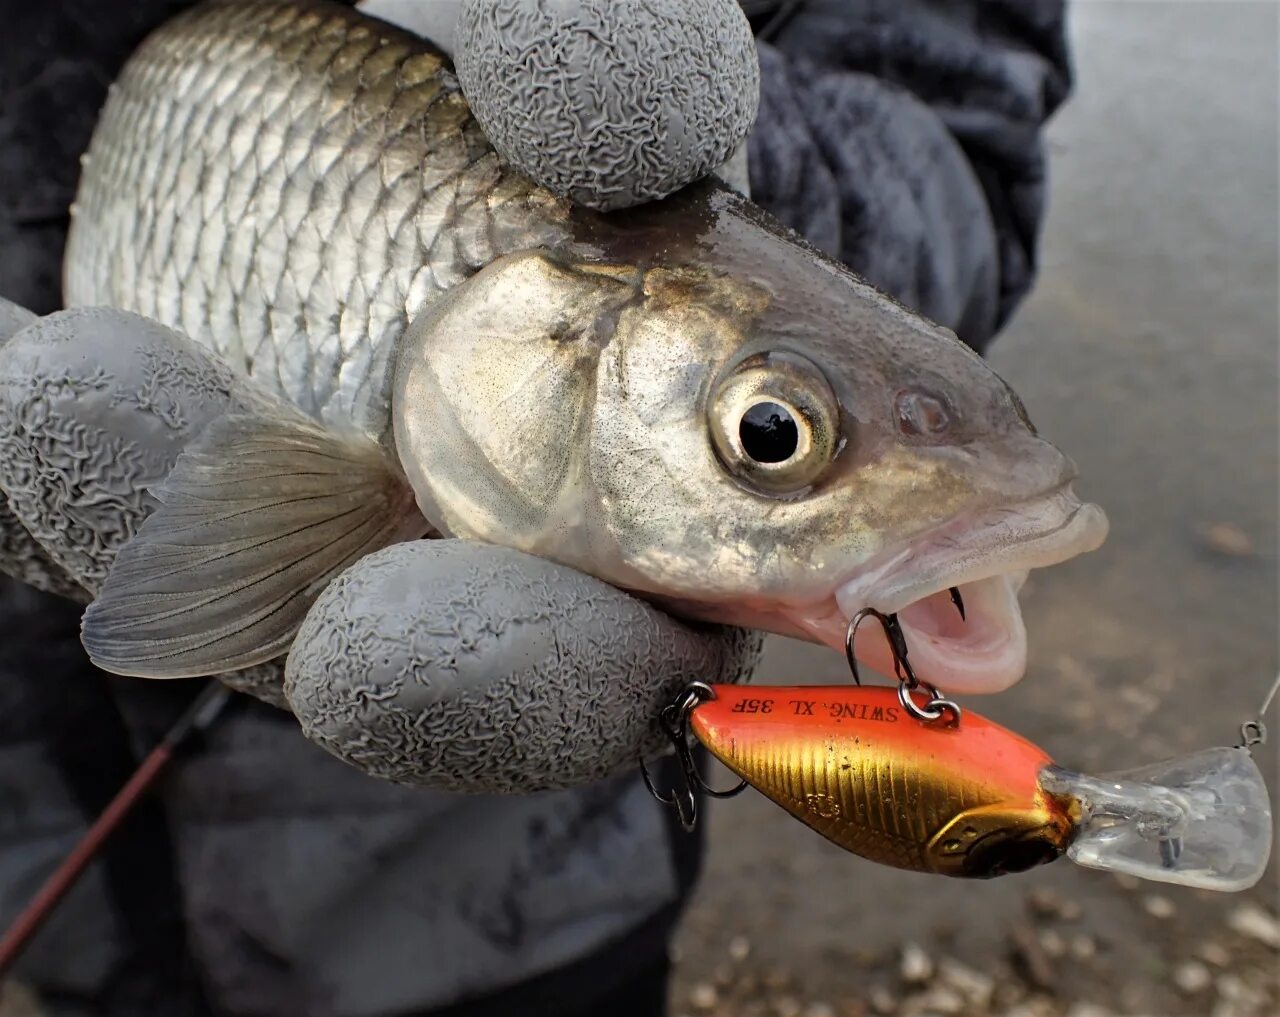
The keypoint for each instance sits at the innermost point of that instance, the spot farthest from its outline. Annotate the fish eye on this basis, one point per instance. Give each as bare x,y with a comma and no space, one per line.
775,422
769,433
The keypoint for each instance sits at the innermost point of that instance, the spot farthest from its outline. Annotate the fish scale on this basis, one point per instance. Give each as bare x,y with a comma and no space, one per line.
290,183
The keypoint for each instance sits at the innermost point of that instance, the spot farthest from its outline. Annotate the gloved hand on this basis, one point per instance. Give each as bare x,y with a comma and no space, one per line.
444,664
634,101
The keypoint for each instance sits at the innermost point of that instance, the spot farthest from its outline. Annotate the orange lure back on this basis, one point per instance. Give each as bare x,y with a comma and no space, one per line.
959,799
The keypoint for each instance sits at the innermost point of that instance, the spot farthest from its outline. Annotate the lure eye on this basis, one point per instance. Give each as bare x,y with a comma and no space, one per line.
775,422
1012,857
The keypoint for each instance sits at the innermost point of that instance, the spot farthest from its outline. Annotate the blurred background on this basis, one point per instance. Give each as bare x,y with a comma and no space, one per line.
1148,351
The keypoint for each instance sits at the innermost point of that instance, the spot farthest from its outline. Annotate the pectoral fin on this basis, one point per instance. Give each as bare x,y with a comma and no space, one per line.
255,519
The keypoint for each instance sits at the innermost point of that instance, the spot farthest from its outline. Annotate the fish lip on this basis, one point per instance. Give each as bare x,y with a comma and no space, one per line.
976,547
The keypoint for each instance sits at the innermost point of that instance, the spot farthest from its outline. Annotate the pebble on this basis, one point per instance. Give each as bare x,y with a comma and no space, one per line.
1045,903
940,1000
1083,947
819,1010
1192,977
704,997
976,986
916,967
739,948
1126,881
1215,954
776,978
1250,920
1053,944
882,1000
786,1006
1227,539
1032,957
1036,1007
1236,998
1088,1010
1157,906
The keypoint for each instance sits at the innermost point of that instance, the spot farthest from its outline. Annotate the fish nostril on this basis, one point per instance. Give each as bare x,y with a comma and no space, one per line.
922,414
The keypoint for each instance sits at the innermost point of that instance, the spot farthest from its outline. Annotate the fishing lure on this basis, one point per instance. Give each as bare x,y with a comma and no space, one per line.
918,784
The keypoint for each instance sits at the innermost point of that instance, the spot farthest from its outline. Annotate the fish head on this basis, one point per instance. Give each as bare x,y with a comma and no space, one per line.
718,417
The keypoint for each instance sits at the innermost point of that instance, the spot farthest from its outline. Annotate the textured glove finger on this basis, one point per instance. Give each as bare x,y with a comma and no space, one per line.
21,556
633,101
460,666
95,406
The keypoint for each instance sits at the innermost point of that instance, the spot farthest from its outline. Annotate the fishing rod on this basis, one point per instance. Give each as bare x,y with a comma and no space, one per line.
198,717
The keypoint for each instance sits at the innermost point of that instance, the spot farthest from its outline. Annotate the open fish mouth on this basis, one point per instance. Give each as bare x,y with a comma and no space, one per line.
987,558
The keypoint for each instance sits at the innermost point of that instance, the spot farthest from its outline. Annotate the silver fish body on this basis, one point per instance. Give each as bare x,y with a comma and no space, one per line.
290,182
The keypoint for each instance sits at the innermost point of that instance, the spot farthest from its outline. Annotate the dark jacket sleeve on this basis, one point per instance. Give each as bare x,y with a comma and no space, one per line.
905,137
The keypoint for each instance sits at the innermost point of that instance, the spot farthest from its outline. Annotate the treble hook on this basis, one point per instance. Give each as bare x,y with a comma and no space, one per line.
902,668
674,722
908,681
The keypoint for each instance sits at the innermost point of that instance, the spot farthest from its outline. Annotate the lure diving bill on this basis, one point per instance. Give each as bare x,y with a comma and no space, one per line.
959,795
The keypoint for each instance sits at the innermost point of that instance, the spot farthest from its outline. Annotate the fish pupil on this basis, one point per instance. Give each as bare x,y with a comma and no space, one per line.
769,433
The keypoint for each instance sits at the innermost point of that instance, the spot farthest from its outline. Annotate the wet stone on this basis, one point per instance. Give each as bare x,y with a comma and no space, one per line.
786,1006
776,978
939,999
1192,977
916,966
975,986
704,997
1215,953
1032,958
1226,539
1089,1010
1053,944
882,1000
1037,1007
1157,906
1253,922
1045,903
1237,998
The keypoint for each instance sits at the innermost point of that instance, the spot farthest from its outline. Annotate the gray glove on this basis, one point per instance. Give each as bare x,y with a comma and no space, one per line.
443,664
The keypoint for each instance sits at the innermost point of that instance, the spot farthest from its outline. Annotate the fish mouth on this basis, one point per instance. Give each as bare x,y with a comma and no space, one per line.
986,557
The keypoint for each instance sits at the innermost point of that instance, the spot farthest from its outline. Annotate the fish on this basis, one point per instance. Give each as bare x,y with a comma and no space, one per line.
684,399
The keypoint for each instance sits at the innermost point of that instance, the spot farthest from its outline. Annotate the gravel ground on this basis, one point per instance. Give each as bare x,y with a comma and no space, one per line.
1148,352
